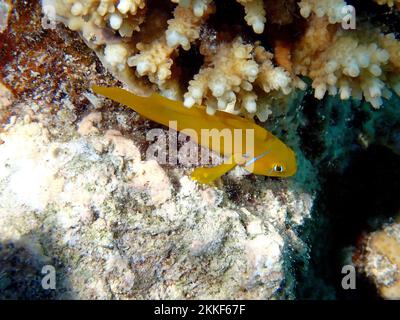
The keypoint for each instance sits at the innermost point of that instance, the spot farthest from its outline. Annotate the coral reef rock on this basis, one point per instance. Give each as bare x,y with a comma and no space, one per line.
380,260
116,226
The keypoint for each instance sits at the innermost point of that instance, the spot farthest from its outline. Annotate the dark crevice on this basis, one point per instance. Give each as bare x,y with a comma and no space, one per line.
378,15
189,63
352,203
228,21
311,140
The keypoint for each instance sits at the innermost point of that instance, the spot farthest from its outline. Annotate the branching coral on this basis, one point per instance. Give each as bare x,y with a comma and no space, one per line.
352,64
255,14
389,43
154,61
229,80
92,15
199,7
390,3
184,28
333,9
150,43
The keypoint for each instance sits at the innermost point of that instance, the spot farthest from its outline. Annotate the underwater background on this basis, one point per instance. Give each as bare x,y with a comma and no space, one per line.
77,192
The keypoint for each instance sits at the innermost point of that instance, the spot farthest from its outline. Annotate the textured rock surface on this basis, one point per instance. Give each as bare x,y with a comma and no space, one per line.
380,260
119,227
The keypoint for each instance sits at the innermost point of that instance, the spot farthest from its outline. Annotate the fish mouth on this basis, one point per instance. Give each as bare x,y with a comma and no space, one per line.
291,172
286,174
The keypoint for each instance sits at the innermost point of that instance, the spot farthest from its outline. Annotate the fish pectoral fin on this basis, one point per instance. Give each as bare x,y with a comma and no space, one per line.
209,175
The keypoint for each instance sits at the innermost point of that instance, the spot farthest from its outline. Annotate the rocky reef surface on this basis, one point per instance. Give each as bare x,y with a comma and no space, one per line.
119,227
379,258
77,192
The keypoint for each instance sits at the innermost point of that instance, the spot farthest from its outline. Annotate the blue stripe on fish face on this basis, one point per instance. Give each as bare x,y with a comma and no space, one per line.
249,163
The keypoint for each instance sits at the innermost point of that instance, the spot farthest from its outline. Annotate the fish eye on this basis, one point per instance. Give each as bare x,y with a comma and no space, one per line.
279,168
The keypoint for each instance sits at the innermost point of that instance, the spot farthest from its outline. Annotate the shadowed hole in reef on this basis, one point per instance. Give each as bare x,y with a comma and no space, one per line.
376,14
356,201
228,21
311,140
189,62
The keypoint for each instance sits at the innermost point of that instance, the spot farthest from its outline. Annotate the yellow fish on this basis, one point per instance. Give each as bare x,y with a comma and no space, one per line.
245,143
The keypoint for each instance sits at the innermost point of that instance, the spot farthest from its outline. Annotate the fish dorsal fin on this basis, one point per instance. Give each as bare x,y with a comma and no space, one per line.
243,123
159,108
154,107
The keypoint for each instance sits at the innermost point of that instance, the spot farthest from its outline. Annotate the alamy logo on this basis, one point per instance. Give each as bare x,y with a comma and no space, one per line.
349,18
49,280
349,280
49,17
236,141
